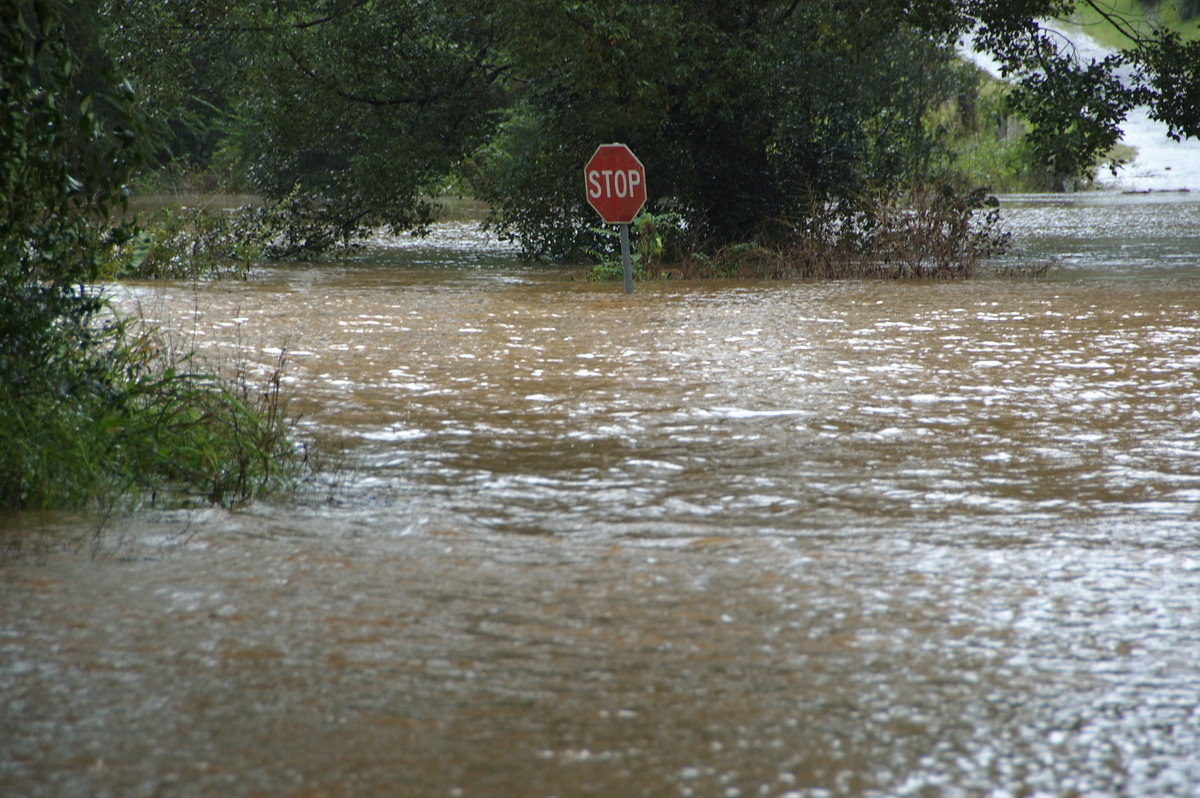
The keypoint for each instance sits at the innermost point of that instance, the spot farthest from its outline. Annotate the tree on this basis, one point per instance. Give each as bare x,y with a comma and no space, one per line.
189,110
359,110
1076,107
751,116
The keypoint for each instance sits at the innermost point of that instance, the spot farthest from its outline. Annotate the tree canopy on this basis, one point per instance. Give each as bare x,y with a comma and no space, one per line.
748,115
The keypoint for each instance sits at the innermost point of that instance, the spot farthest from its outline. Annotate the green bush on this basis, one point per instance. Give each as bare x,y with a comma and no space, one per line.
190,243
654,239
92,411
153,427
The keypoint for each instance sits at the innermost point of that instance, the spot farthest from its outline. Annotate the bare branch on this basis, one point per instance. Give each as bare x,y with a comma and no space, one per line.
1119,23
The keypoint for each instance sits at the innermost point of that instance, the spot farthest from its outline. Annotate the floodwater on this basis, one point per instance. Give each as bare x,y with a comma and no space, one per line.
713,539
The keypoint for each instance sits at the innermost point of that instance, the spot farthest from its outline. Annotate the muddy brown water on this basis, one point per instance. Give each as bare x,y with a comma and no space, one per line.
728,539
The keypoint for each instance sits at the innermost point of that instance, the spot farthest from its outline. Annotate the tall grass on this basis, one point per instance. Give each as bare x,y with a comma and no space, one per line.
158,428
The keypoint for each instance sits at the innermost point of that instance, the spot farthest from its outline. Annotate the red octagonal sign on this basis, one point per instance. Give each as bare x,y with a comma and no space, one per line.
616,183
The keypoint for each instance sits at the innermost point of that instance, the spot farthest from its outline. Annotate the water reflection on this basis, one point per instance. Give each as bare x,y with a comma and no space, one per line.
728,539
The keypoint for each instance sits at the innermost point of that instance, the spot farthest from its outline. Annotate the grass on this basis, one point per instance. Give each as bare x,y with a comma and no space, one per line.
159,429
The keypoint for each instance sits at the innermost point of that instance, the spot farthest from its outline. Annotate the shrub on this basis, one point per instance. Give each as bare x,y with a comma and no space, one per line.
191,243
927,233
155,428
92,411
653,239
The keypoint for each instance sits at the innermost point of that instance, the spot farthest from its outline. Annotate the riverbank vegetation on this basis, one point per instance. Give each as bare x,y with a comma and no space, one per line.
97,409
924,234
147,426
748,115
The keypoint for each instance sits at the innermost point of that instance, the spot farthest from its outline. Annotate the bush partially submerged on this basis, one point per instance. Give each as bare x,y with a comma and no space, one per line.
92,411
927,234
930,233
181,242
147,427
190,242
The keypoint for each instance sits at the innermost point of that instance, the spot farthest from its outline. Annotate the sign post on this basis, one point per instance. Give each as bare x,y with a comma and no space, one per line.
626,259
615,181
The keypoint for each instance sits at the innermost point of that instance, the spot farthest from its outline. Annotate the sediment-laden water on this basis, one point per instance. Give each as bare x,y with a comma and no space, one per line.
714,539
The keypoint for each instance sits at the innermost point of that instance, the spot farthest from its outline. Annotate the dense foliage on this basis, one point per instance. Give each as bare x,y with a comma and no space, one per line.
64,152
91,409
751,116
359,108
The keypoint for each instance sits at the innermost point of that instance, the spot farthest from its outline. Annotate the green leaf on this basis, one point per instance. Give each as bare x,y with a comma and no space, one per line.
141,251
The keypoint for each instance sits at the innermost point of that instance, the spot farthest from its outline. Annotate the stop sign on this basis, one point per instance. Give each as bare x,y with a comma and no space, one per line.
616,183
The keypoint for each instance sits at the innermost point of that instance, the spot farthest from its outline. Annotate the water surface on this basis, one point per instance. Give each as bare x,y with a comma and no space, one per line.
734,539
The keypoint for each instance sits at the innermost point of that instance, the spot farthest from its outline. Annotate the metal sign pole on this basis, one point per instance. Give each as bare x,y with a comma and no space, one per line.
626,260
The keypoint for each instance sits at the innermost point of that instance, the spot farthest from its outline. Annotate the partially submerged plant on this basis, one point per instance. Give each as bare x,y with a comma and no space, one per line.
653,236
928,233
157,427
93,409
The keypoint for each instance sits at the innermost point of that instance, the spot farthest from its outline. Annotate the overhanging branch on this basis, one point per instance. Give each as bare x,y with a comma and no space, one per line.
1119,23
